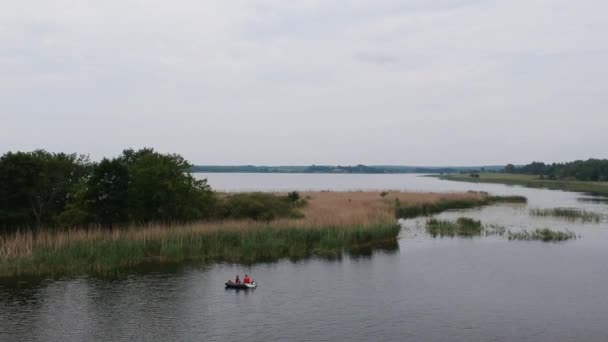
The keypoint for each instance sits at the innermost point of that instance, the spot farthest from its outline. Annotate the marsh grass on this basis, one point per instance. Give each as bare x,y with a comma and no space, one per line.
475,199
507,199
331,223
570,214
545,235
463,226
598,188
101,252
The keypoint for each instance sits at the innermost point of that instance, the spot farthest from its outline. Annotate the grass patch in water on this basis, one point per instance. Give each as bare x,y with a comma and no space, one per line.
570,214
463,226
545,235
406,211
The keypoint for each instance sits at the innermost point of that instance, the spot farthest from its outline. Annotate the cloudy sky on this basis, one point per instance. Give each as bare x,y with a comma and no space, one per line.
418,82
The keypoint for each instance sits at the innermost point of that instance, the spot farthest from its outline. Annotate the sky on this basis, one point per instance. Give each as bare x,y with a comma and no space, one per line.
274,82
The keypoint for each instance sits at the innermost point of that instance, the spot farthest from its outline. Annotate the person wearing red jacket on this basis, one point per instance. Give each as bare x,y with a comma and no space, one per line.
246,280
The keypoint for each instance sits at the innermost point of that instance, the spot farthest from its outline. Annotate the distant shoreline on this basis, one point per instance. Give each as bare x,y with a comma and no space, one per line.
340,169
530,181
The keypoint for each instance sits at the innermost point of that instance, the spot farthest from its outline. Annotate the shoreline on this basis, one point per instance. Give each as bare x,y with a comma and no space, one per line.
529,181
332,223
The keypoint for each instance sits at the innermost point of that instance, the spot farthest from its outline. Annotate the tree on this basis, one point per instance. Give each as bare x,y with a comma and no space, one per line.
35,186
510,168
161,188
106,194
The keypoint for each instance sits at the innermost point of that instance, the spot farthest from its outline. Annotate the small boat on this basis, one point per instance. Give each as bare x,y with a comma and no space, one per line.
232,285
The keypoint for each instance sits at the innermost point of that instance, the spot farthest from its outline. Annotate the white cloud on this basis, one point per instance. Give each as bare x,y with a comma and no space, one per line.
277,82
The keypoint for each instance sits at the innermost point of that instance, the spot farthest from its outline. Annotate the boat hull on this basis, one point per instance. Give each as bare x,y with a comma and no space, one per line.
241,286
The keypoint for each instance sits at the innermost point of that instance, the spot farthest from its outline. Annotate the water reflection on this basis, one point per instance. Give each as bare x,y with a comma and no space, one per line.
416,288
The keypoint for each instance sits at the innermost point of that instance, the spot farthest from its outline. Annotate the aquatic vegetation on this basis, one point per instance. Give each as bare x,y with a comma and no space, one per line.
571,214
425,209
103,252
331,223
545,235
494,229
463,226
507,199
531,181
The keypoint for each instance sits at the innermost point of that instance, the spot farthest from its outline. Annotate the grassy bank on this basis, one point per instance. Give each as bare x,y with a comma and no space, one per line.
330,223
600,188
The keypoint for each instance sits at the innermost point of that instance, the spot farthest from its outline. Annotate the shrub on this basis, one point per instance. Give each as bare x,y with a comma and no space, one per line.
257,206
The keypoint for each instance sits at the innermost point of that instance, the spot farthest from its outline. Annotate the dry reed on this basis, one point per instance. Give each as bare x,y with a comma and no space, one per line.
332,220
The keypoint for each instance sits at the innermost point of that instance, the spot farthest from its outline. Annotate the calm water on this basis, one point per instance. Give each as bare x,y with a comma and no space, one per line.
458,289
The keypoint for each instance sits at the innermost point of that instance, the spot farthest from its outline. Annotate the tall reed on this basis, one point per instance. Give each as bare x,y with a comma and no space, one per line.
333,222
570,214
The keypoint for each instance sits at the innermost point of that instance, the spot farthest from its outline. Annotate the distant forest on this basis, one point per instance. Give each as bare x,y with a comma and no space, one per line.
583,170
361,169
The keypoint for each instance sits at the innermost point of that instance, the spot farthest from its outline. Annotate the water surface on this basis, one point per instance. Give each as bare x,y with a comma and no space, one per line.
451,289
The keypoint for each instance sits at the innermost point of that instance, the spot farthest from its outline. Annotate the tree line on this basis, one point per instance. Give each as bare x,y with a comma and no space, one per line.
583,170
43,189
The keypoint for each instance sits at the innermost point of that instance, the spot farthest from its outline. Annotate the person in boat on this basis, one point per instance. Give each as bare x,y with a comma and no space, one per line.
246,280
237,280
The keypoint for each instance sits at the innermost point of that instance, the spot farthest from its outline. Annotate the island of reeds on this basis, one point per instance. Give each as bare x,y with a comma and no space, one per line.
61,214
544,234
570,214
468,227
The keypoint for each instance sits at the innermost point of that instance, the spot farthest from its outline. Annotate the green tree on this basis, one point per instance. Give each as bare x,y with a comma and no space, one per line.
35,186
106,195
161,188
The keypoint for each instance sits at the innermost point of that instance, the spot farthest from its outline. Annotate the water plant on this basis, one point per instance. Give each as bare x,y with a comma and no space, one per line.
571,214
545,235
476,200
330,223
463,226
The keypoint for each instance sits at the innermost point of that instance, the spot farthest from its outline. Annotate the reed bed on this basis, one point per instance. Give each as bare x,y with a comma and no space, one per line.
570,214
464,226
332,222
545,235
472,200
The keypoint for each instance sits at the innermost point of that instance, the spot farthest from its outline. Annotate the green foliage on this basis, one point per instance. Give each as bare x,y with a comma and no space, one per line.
588,170
257,206
463,226
254,245
545,235
510,168
293,196
106,195
426,209
162,189
42,189
35,186
507,199
571,214
549,182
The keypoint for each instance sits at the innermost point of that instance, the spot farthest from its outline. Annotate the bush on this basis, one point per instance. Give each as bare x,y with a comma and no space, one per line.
257,206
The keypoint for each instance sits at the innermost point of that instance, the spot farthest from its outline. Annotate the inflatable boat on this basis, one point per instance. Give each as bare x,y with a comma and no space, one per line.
232,285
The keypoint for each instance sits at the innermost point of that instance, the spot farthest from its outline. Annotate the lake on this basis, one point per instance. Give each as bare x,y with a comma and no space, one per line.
424,288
